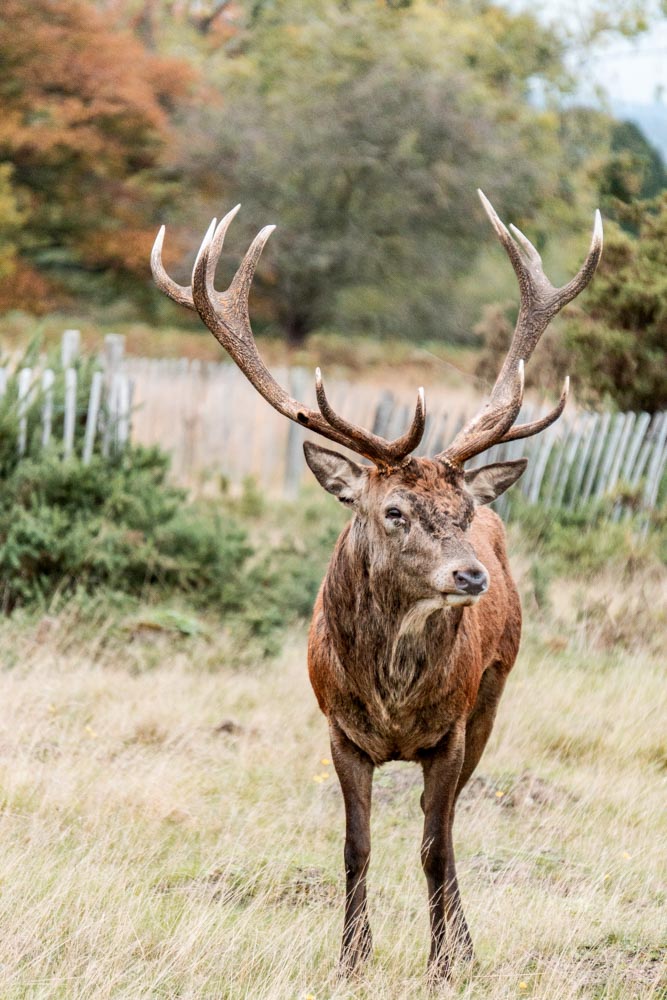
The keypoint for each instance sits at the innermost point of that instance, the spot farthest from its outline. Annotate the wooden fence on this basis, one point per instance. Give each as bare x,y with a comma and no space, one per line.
107,410
215,425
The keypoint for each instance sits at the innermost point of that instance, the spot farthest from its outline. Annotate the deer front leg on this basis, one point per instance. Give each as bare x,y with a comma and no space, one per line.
449,930
355,773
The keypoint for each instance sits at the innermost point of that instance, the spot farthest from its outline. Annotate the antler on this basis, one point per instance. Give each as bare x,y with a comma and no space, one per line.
540,302
226,316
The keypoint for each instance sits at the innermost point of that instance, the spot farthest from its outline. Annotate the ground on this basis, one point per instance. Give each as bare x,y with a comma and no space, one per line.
171,827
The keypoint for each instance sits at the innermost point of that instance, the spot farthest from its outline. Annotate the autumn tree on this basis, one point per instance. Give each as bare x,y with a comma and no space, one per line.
83,131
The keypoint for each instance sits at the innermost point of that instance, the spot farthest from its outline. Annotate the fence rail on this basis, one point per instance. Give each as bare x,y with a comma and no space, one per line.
215,424
213,421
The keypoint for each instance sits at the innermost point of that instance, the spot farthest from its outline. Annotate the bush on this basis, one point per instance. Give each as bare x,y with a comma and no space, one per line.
117,532
583,542
117,524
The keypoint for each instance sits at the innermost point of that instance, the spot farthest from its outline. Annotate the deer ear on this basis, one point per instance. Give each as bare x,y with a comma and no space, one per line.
490,481
337,474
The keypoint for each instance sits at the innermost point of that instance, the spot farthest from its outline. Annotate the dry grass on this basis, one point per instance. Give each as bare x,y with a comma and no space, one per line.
175,830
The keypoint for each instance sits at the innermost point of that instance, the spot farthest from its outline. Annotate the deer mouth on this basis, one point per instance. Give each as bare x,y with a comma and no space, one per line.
460,600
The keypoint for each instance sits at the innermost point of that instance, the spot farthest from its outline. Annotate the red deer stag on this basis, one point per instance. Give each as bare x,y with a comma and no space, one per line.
417,623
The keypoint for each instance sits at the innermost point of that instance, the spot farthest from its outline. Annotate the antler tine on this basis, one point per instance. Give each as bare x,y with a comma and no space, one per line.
540,301
585,273
217,242
503,235
535,426
384,453
242,280
182,294
490,424
226,316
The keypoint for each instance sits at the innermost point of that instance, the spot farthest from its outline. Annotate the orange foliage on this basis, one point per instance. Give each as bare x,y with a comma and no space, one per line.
25,288
85,123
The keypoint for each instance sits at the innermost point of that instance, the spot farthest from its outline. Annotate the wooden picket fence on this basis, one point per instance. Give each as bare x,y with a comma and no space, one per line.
215,425
107,411
213,422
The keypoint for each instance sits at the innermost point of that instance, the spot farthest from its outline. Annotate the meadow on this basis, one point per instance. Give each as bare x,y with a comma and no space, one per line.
171,825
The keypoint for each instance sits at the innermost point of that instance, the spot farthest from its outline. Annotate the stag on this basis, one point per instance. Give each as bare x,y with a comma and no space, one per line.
418,621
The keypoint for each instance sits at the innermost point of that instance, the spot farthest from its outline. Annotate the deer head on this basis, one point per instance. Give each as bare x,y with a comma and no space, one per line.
411,514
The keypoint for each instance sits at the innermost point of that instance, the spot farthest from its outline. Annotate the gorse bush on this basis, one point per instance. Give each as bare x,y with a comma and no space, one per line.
118,527
115,523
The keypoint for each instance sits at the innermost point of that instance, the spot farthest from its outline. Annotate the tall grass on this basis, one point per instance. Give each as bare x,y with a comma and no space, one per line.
171,825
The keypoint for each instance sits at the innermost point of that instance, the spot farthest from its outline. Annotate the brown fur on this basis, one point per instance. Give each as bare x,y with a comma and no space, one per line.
427,692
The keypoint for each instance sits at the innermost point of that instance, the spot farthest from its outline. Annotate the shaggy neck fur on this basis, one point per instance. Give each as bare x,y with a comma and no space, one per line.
386,639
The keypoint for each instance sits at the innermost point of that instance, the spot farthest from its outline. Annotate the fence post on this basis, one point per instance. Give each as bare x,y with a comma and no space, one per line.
70,411
576,433
595,459
23,392
613,441
70,347
643,421
592,422
656,465
114,349
294,455
534,484
123,426
383,413
47,406
92,417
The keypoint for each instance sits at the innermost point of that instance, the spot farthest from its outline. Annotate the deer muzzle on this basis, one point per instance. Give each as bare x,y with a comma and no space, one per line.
461,583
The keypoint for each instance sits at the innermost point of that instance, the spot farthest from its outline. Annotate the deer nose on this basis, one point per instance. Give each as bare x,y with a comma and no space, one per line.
471,581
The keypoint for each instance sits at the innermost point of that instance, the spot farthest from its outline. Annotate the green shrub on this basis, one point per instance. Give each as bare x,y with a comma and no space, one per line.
33,403
117,524
585,541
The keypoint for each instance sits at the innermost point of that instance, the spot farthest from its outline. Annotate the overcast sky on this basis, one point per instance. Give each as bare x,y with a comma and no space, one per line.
629,70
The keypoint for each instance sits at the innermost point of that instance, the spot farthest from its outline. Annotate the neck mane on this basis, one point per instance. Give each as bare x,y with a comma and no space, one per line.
377,628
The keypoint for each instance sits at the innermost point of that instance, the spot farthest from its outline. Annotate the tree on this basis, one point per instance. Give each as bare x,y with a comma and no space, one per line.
85,122
634,171
619,344
363,131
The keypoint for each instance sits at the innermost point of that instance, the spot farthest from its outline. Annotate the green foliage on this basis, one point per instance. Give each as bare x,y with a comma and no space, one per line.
11,219
582,543
116,531
619,344
31,406
362,130
285,581
634,169
112,524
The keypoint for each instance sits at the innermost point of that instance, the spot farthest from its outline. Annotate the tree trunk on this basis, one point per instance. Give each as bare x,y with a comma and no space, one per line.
297,329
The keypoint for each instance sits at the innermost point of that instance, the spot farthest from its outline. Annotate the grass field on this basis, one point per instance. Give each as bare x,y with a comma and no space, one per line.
171,825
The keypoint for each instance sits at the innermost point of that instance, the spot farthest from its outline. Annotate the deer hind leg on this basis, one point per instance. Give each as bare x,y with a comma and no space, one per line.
355,773
480,723
450,936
